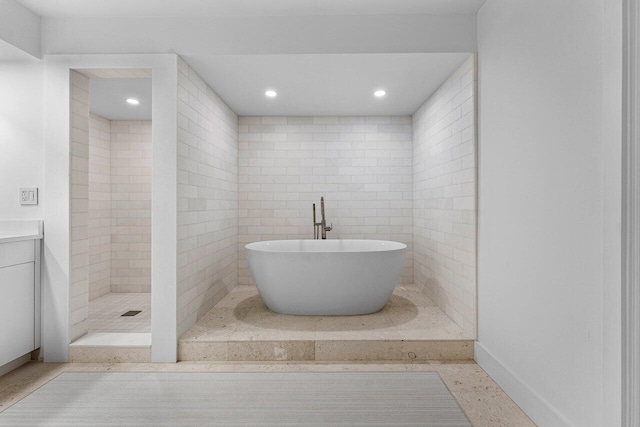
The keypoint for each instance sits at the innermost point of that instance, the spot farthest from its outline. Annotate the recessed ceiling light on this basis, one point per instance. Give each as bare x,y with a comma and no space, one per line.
271,93
132,101
380,93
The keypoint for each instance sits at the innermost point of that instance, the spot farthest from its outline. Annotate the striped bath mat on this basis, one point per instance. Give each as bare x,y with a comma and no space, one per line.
240,399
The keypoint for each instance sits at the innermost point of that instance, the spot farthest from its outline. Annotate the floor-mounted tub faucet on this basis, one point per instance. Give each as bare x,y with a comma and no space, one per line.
320,228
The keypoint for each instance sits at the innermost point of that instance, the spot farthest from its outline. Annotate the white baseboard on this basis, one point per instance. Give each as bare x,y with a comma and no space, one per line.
15,364
538,409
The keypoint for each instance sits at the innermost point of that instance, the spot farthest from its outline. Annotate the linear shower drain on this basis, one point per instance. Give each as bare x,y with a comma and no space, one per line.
131,313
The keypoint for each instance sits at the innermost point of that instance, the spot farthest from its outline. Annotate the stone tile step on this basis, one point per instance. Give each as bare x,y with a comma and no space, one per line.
111,348
110,354
326,350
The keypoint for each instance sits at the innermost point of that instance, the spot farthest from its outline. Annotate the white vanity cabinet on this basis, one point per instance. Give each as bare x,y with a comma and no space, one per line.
19,291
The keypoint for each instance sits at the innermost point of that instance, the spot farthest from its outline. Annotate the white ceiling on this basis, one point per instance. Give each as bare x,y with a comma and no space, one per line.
108,98
172,8
324,57
326,84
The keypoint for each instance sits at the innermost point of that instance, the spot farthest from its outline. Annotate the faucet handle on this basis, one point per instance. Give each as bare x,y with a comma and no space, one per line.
329,228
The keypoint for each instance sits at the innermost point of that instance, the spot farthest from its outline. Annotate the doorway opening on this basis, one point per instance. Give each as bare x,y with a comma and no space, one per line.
111,175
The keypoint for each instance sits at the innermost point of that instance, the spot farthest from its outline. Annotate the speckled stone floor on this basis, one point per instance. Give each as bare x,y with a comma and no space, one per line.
484,403
241,328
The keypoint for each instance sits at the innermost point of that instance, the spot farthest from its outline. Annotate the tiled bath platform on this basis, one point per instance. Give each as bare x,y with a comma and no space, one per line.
409,328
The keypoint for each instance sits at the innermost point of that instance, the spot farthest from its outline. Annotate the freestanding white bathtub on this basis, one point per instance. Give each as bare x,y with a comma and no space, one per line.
325,277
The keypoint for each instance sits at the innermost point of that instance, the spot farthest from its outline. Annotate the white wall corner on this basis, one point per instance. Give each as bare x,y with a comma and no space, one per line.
164,347
20,27
56,253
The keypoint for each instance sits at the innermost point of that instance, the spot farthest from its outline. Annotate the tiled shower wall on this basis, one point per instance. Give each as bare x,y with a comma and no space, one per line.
119,206
444,196
207,198
99,206
361,165
79,195
131,206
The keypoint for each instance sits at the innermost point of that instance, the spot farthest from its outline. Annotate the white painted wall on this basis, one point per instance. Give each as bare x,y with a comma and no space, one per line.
20,27
55,266
21,144
79,215
209,35
612,232
549,205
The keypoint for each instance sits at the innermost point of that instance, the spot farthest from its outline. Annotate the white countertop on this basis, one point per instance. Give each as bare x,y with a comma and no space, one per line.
18,230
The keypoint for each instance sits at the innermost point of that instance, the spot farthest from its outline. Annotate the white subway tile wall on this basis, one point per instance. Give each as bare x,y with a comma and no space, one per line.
361,165
131,164
99,207
444,196
207,198
79,195
240,180
119,206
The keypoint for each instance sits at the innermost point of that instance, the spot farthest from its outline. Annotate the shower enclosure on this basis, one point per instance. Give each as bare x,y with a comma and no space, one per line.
111,174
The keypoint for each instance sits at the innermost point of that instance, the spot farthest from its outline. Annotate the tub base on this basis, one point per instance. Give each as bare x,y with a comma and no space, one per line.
409,329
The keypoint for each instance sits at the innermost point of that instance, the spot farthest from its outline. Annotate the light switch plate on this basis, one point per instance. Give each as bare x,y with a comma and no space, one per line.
29,196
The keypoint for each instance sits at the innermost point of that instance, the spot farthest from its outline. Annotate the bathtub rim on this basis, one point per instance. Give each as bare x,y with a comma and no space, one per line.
396,246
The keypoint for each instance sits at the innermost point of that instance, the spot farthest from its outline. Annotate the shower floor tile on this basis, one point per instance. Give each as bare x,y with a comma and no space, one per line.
409,327
105,313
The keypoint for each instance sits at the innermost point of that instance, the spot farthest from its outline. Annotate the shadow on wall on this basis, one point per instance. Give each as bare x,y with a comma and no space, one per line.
215,291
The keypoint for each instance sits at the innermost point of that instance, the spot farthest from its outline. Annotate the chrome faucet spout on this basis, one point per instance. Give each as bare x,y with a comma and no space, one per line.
323,223
315,224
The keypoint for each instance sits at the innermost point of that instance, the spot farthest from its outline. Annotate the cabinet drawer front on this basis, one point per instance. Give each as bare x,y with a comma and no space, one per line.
17,311
16,253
